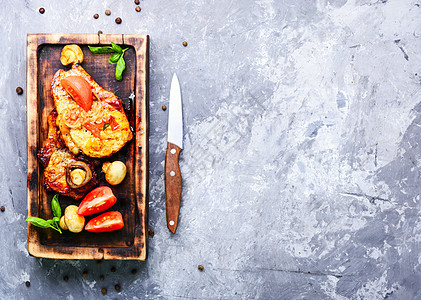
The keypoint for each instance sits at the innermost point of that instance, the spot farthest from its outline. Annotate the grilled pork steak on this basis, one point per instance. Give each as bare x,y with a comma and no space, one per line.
55,157
98,132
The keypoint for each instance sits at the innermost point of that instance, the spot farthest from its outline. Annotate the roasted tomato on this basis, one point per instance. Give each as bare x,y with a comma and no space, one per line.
79,89
109,221
98,200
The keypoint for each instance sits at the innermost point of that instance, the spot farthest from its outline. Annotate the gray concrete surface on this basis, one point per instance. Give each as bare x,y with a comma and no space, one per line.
302,150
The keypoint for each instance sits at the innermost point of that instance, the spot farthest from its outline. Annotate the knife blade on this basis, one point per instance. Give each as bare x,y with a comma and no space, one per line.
174,146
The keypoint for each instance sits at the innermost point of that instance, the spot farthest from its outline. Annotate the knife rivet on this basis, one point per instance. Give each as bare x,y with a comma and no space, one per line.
172,173
172,151
171,223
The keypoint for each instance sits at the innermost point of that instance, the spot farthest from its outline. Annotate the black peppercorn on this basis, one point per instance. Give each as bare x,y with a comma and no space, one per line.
118,20
108,12
19,90
117,287
164,107
137,2
134,271
200,267
42,10
185,44
27,283
2,208
101,277
66,278
104,291
96,16
85,273
113,269
138,8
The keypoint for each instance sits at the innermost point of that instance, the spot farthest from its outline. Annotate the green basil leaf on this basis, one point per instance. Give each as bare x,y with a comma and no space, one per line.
38,222
121,65
56,219
116,47
114,58
105,49
55,205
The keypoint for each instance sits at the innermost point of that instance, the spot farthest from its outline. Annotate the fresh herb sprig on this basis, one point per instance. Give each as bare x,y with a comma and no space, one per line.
52,223
116,58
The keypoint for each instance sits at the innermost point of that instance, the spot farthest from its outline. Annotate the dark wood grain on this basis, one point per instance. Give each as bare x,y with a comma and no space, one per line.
43,60
173,186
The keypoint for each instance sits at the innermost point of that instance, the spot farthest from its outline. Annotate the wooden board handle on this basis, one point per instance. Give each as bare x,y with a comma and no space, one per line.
172,185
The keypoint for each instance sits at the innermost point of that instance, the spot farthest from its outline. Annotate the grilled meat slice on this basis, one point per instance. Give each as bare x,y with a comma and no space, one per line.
55,157
99,132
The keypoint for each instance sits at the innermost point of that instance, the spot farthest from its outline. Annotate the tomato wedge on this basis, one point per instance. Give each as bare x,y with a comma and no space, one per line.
109,221
79,89
98,200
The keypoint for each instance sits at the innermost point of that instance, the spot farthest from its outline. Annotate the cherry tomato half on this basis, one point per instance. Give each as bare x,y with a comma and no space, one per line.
109,221
98,200
79,89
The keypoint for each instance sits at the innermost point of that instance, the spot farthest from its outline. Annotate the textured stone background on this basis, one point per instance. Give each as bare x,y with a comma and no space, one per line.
302,157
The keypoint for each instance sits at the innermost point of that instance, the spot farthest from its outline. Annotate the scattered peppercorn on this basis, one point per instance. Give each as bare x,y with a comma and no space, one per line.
98,262
42,10
113,269
185,44
138,8
101,277
19,90
66,278
100,32
137,2
134,271
164,107
27,283
117,287
200,267
118,20
104,291
96,16
85,273
2,208
108,12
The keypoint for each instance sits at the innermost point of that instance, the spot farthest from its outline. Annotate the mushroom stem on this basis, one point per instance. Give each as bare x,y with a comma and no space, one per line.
73,178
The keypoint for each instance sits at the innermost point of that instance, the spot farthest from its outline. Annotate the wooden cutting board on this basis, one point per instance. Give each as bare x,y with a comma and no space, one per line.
43,60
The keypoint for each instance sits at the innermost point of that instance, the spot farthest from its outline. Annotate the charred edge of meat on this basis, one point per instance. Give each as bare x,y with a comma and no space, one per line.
54,140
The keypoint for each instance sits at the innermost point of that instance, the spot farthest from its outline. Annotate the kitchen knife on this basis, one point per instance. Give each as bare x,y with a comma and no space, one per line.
174,147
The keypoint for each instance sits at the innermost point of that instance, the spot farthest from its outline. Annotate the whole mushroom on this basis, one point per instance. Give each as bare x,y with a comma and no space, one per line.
71,54
114,172
73,221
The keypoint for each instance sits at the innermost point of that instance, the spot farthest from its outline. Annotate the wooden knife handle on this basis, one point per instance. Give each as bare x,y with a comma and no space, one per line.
172,185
